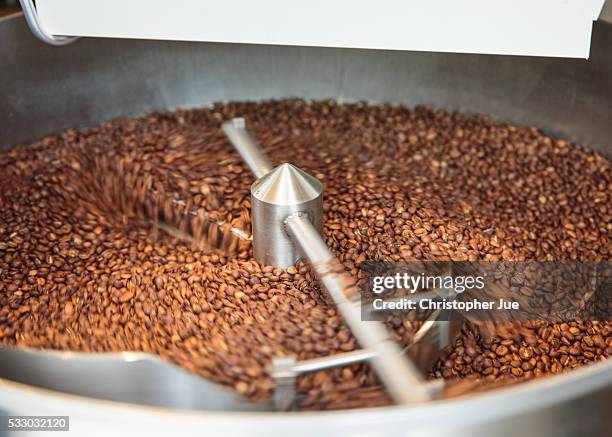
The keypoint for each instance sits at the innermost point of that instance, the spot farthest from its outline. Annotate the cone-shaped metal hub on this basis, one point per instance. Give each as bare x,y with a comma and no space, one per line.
282,192
286,185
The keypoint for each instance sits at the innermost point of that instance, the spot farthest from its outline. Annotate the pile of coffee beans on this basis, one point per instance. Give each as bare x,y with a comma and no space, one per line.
77,273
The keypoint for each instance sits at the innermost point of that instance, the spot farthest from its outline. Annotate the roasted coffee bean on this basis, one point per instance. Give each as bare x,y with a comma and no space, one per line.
77,272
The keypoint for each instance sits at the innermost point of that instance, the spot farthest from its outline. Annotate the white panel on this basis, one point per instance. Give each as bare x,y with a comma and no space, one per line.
524,27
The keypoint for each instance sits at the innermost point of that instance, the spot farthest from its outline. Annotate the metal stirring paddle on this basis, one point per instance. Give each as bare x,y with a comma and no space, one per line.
121,190
287,213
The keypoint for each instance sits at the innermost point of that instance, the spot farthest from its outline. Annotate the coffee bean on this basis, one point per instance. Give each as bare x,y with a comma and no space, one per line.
126,296
83,218
501,350
68,309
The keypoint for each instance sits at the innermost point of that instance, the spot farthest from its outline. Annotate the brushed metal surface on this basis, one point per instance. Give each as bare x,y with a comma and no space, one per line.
131,377
45,90
606,12
48,89
282,192
576,404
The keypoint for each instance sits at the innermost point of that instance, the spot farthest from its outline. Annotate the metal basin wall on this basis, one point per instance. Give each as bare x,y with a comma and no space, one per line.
45,90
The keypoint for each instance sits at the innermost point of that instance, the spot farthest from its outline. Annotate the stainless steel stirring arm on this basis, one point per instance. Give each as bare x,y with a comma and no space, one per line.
287,215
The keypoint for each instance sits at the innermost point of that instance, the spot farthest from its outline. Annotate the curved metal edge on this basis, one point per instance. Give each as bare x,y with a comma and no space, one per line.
31,16
79,374
66,355
519,397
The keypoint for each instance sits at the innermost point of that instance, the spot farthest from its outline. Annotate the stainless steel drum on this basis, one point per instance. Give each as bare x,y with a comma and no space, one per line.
46,89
